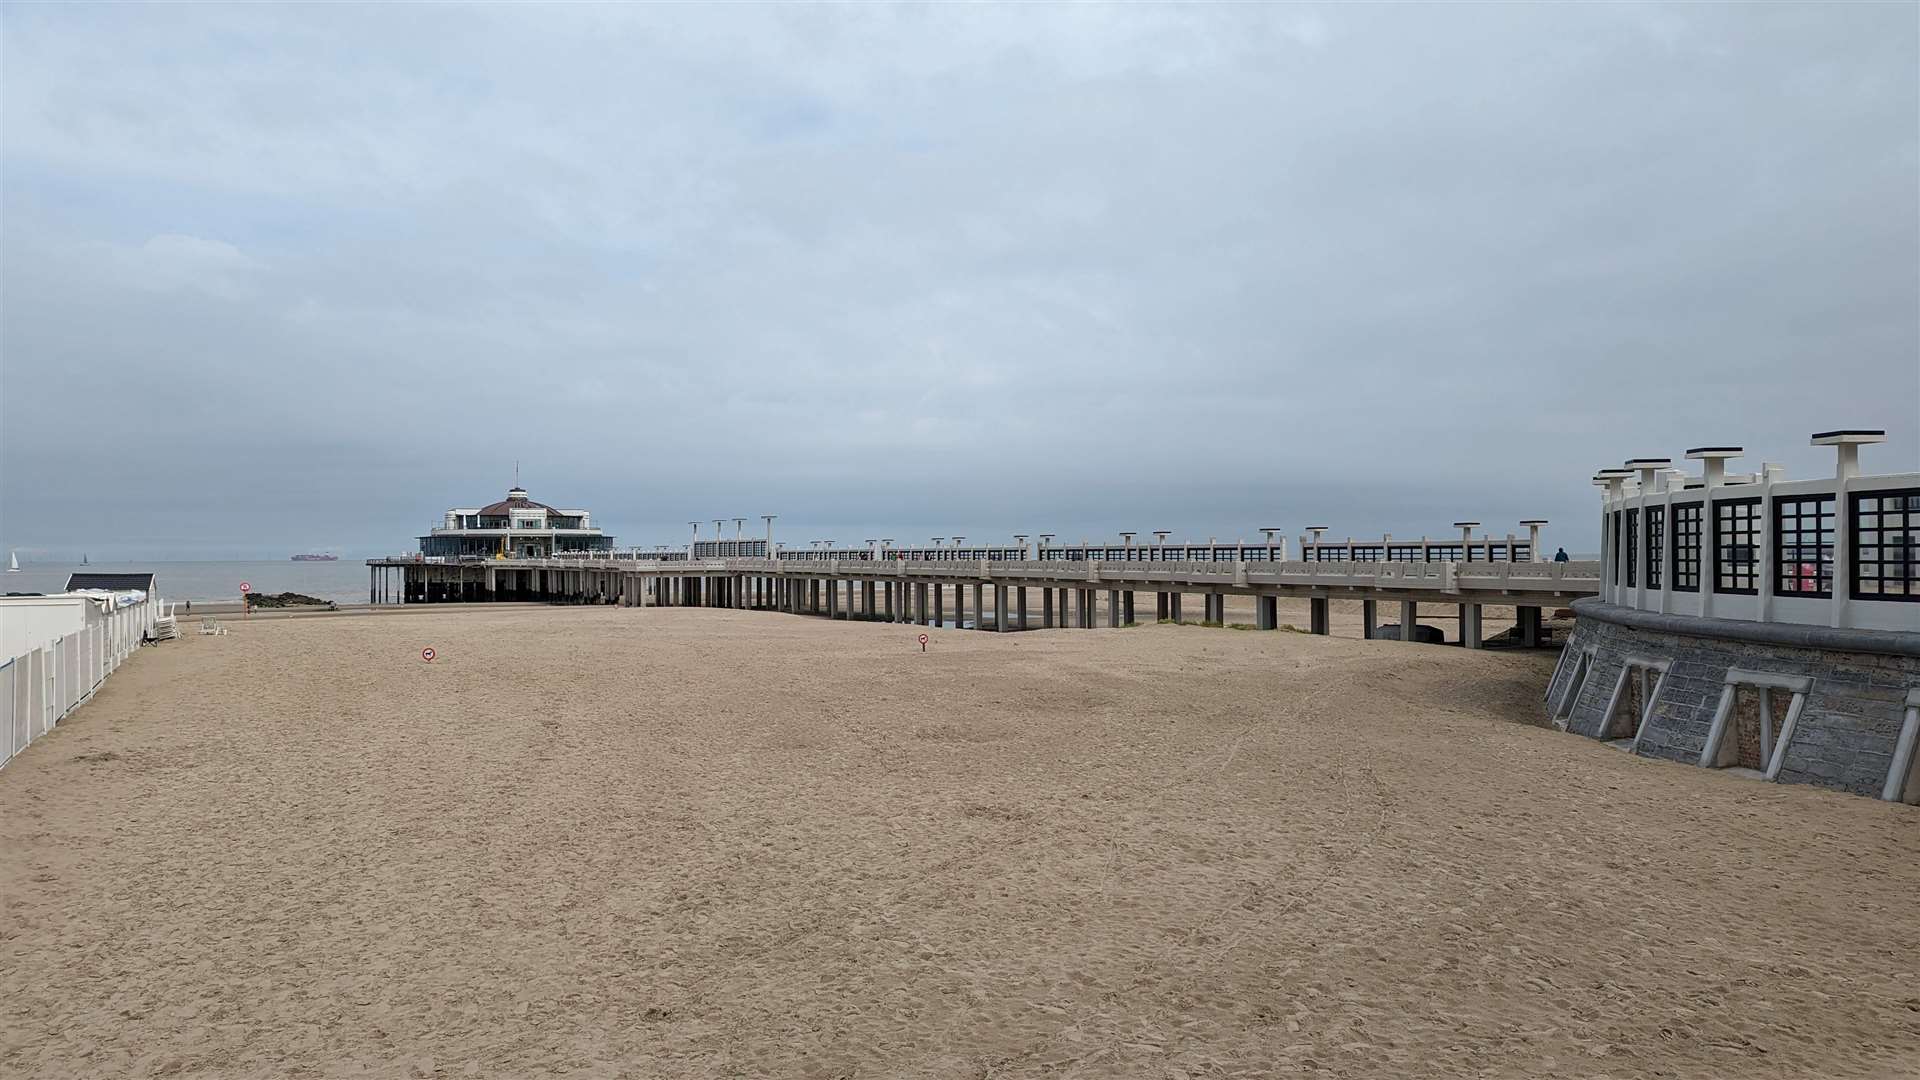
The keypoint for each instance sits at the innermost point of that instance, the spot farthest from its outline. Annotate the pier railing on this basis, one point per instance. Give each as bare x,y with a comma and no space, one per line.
1566,578
1840,551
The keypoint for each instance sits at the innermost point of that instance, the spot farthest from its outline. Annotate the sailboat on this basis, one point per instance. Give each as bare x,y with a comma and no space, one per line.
13,562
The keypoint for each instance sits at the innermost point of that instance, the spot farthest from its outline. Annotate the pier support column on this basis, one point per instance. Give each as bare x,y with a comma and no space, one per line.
939,604
1089,606
1046,608
1320,615
1173,606
979,606
1020,604
1126,607
1470,625
1369,618
1529,625
1409,615
1002,618
960,608
1160,607
1266,613
1215,607
1113,609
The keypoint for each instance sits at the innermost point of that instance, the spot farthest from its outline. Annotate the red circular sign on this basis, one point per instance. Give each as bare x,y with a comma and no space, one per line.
244,587
428,654
923,639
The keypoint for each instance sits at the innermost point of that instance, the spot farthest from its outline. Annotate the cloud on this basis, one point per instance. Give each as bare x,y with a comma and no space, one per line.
942,268
170,263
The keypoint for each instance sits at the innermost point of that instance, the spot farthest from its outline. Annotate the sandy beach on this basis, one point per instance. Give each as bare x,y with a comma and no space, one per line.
607,842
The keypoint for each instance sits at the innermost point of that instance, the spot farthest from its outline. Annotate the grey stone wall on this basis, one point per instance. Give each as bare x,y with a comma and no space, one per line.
1846,733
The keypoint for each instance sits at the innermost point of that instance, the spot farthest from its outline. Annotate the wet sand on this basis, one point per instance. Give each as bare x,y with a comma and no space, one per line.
613,842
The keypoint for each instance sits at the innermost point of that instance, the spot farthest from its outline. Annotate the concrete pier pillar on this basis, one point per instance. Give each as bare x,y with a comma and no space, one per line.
1470,625
979,605
1369,618
833,593
1002,620
1046,608
1020,604
1173,606
960,608
1320,615
1089,603
1409,615
939,604
1160,607
1266,613
920,603
1529,620
1126,607
1113,609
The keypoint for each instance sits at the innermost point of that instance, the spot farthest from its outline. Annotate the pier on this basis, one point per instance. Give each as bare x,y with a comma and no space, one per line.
1003,594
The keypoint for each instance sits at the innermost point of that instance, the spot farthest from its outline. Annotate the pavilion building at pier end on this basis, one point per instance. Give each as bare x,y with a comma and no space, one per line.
516,527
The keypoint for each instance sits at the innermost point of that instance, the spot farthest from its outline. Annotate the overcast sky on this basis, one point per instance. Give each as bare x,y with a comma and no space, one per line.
282,278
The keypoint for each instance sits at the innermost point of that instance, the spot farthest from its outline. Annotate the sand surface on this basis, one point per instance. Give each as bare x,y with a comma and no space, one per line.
614,842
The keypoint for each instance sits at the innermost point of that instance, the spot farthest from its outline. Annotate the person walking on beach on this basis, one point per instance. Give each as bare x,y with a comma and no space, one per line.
1560,556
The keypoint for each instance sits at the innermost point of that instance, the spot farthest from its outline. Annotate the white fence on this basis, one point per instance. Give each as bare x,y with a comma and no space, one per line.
40,687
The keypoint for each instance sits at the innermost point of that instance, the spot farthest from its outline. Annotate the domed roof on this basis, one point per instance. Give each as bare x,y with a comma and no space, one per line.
516,500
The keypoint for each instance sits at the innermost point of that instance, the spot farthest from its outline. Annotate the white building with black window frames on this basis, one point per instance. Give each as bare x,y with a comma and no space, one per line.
1757,623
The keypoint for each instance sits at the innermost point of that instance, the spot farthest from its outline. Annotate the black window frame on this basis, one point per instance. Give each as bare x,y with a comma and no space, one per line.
1630,550
1791,512
1746,512
1686,541
1909,546
1654,548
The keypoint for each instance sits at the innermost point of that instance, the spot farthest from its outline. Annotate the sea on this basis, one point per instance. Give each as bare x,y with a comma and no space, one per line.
344,581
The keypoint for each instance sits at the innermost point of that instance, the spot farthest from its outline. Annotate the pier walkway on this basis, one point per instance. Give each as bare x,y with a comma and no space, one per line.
1068,591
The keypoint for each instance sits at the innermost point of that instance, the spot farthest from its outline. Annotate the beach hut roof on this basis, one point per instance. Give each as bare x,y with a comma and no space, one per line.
111,582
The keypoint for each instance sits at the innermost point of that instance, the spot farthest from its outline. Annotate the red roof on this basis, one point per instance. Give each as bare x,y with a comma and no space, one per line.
516,502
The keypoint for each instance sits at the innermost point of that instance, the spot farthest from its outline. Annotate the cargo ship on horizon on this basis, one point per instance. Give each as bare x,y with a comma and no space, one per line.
318,556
